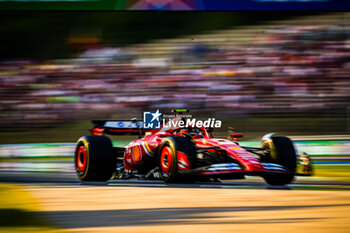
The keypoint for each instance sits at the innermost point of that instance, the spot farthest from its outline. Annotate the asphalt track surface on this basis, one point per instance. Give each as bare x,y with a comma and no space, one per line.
153,206
70,179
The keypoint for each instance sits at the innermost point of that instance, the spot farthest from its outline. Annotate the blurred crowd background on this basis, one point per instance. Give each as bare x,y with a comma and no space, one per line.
297,67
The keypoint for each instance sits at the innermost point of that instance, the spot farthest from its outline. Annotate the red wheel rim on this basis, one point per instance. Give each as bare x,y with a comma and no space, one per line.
166,159
81,158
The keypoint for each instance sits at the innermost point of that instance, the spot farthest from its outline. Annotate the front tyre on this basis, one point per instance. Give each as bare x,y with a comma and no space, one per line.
174,153
94,160
281,152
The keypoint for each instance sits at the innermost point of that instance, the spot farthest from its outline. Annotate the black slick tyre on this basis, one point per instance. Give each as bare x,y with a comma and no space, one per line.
168,159
281,152
94,159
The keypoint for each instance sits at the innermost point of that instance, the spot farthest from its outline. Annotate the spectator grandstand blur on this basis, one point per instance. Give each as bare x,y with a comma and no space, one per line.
295,68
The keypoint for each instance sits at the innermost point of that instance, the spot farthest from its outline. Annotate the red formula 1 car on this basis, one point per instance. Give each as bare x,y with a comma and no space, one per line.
175,154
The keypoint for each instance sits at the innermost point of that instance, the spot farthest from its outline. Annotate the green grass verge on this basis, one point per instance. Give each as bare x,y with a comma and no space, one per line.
253,128
337,172
37,159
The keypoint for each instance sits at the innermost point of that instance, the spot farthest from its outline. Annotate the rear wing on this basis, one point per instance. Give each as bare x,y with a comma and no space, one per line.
101,127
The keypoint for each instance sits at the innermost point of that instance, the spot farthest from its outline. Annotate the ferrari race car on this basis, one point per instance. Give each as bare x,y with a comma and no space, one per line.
180,154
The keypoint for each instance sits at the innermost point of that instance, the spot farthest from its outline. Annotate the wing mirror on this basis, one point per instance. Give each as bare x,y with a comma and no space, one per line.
235,136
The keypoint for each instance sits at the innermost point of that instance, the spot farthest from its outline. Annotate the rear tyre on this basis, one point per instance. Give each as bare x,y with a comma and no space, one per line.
281,152
94,160
168,158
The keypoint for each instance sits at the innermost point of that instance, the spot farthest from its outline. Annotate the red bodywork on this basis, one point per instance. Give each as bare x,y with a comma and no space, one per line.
144,154
141,152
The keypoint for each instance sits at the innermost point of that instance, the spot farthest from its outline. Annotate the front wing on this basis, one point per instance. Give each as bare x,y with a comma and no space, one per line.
234,170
